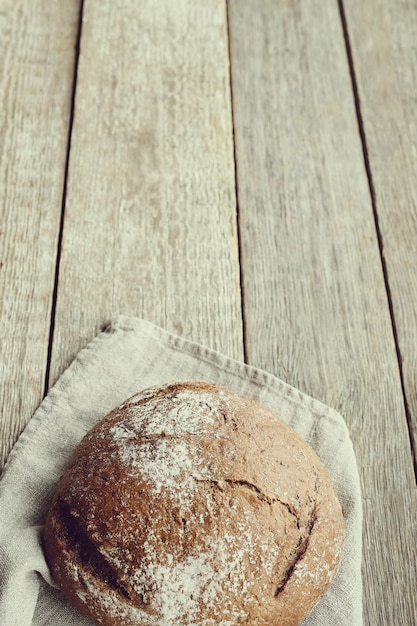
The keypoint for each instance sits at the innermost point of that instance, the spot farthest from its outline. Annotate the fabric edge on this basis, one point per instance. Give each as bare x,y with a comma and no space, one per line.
43,409
245,371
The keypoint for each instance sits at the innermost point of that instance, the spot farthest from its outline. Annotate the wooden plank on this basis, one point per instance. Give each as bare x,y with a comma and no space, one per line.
316,310
150,220
384,35
36,73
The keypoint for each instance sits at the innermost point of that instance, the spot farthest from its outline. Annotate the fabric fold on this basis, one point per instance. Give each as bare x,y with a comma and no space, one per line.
130,355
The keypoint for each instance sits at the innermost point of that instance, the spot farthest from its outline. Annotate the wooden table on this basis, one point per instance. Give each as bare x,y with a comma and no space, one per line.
243,174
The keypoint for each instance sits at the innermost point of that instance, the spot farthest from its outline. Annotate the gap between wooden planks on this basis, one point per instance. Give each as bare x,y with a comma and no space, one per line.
150,215
316,309
37,61
382,37
312,296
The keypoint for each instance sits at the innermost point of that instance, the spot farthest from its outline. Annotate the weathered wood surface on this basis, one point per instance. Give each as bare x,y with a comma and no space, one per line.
383,38
150,225
150,218
315,304
37,42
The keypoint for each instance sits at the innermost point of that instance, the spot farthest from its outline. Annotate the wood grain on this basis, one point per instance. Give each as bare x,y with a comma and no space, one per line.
316,309
384,35
150,219
36,74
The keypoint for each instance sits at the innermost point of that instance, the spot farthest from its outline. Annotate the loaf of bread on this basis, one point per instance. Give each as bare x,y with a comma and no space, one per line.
191,505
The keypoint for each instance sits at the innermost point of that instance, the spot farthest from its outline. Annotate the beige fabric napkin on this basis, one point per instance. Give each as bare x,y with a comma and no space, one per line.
130,355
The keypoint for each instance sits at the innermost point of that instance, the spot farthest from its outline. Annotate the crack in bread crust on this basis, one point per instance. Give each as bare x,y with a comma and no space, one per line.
188,504
300,551
302,545
92,563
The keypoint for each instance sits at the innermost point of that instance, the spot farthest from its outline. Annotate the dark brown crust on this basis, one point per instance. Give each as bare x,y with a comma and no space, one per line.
194,489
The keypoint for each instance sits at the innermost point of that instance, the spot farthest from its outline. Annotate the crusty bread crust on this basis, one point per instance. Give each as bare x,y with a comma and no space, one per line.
191,505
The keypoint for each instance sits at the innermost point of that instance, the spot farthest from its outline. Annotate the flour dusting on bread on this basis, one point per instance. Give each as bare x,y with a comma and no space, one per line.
191,506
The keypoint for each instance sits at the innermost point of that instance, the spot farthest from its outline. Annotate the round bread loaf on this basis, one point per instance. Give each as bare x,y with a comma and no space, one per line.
191,505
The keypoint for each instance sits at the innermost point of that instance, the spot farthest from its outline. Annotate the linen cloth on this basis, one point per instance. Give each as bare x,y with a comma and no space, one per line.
128,356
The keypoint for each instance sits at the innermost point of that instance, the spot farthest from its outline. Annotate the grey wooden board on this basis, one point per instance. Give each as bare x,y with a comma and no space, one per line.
150,219
150,224
36,73
316,310
383,40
